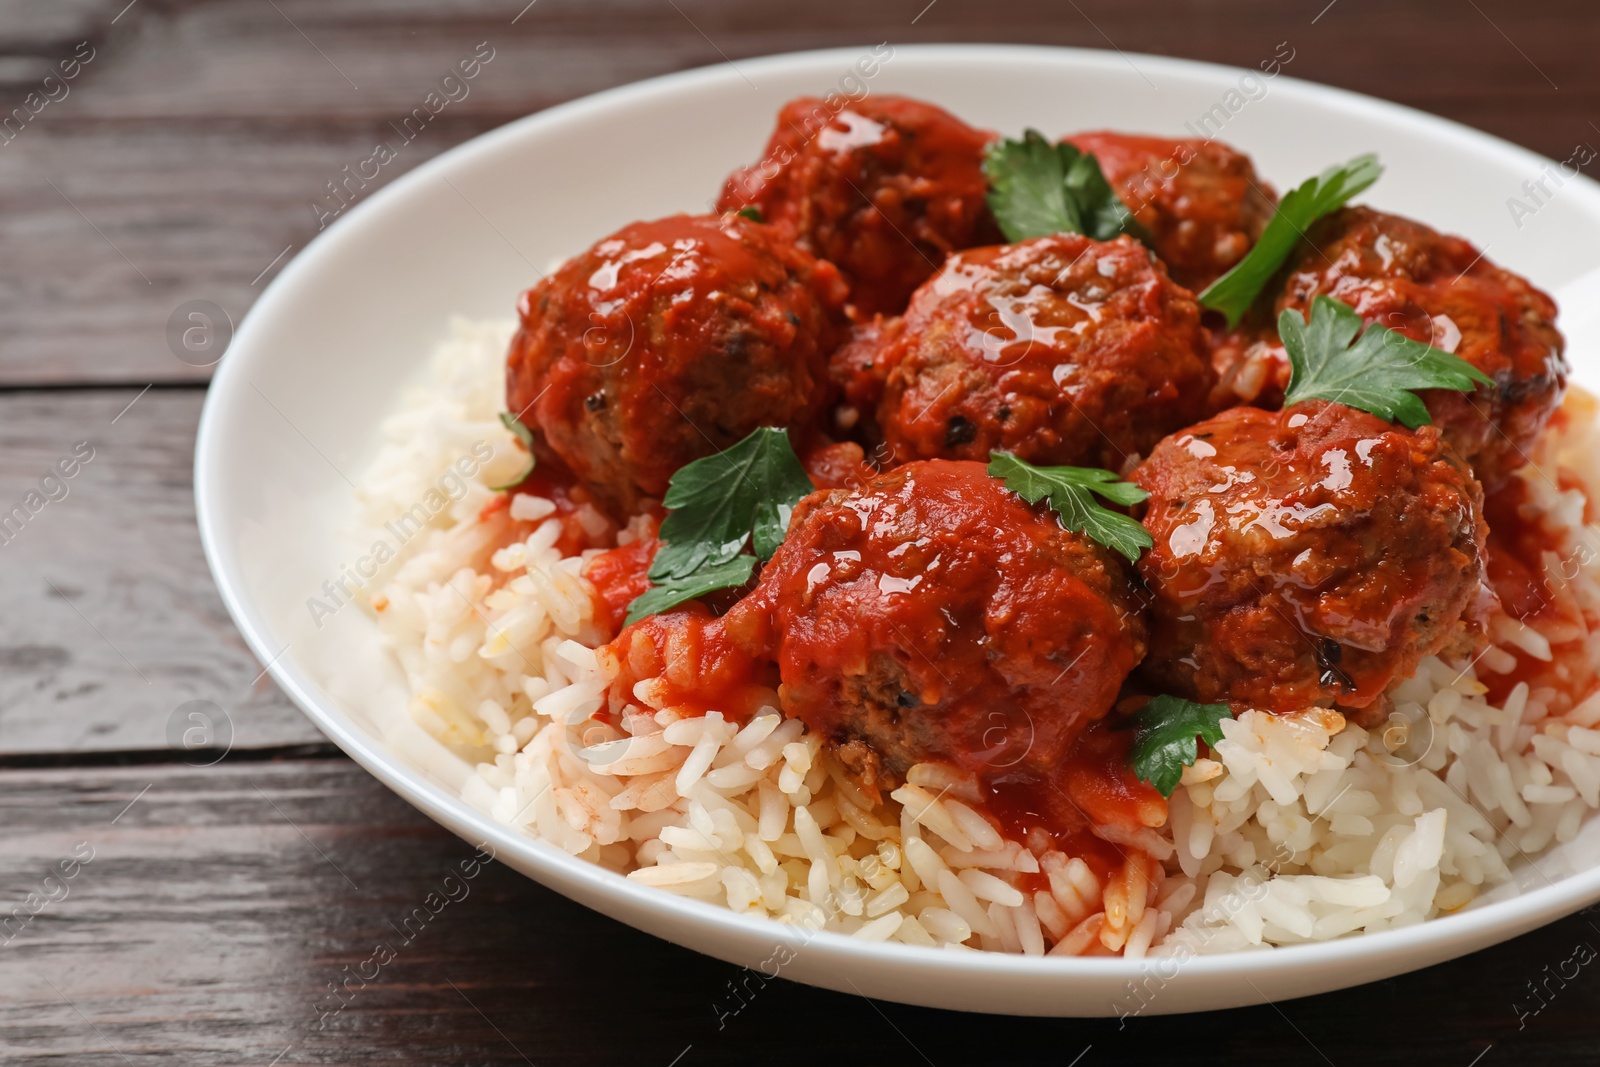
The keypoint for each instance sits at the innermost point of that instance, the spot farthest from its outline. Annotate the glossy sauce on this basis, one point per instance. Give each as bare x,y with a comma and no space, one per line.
1094,786
884,187
619,575
692,666
1306,556
835,466
931,616
1517,545
667,341
1202,202
1516,551
1444,291
1059,349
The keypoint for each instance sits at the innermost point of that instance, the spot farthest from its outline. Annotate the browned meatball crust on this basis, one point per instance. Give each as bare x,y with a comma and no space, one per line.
1061,349
668,341
1306,556
885,187
1201,201
932,614
1442,290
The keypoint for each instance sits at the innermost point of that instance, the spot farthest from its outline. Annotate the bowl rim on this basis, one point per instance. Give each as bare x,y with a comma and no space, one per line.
1471,927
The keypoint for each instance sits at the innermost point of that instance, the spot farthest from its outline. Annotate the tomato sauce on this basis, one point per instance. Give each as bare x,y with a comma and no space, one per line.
668,341
692,665
1304,556
1093,786
885,188
1516,550
550,480
619,575
1444,291
837,466
1515,553
1201,201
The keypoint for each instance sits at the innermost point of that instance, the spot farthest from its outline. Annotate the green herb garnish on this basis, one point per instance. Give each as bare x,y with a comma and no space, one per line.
1037,188
1234,292
1164,733
525,435
670,592
751,212
742,494
1070,491
1378,373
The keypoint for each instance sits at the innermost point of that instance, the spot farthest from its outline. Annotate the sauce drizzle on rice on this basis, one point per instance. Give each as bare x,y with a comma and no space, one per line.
908,716
1292,820
686,661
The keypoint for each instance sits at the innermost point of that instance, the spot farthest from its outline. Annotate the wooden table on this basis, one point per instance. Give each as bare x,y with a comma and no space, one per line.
222,902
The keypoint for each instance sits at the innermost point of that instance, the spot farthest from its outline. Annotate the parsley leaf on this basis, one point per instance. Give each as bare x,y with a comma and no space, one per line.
745,493
1234,292
716,503
1037,188
751,212
525,435
1102,211
771,524
1164,733
1070,492
671,592
1378,373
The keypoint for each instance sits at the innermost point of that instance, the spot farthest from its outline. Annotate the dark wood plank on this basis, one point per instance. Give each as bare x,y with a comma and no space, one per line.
195,141
111,620
219,906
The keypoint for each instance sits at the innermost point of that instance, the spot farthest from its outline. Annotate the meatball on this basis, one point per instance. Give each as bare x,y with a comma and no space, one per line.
858,371
1441,290
1201,200
1060,349
884,188
1306,556
668,341
933,615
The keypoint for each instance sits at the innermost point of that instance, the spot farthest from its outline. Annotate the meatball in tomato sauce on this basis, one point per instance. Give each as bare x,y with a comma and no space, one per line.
857,370
933,615
1441,290
1306,556
1201,201
1060,349
668,341
885,188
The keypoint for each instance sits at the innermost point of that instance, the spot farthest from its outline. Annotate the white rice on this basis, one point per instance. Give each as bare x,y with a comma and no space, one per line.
1297,828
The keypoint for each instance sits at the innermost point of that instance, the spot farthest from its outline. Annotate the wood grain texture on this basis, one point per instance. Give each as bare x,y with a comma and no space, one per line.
111,621
217,909
187,154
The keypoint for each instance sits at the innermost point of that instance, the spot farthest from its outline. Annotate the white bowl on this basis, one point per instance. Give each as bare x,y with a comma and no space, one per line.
318,362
